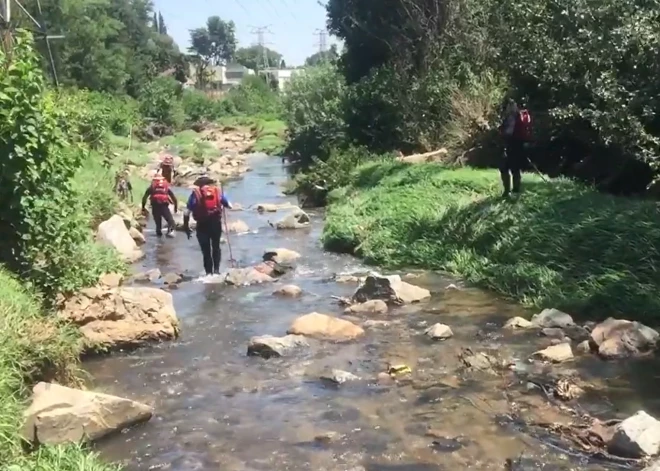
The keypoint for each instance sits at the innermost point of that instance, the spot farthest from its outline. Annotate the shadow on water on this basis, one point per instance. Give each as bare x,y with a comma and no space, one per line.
217,409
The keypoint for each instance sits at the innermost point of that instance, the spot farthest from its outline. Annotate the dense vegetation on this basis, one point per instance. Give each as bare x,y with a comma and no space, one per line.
120,87
419,75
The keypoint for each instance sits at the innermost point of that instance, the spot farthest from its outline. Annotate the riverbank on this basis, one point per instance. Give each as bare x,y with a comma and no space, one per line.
559,245
34,347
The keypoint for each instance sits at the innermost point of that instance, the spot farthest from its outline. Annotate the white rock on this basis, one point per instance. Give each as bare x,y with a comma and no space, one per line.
114,233
518,323
636,437
552,318
439,332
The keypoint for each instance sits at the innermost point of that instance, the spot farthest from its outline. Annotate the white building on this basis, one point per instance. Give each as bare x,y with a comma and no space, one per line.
222,77
281,75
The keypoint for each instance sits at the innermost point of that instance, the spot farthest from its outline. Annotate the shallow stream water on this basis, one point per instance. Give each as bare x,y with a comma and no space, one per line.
218,409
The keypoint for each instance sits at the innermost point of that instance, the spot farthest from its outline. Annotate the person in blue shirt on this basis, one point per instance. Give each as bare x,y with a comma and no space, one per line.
206,204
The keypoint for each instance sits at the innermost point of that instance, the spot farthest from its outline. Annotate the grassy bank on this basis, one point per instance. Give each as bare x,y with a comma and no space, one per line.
33,347
559,245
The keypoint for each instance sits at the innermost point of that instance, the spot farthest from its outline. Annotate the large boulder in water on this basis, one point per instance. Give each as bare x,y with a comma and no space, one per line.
618,338
318,325
237,227
551,318
114,233
281,255
122,317
297,219
267,346
390,289
636,437
60,415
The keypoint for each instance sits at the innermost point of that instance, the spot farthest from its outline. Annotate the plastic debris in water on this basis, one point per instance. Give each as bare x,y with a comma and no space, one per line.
399,370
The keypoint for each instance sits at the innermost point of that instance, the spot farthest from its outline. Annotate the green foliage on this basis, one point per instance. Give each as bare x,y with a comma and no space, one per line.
110,44
214,44
592,65
314,113
269,136
198,106
258,57
160,102
560,245
331,55
32,343
253,97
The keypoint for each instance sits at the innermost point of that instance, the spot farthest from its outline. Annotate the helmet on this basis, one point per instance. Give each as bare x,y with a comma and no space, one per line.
167,160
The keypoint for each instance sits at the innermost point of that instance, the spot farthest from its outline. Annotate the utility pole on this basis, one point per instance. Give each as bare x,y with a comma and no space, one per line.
8,24
323,40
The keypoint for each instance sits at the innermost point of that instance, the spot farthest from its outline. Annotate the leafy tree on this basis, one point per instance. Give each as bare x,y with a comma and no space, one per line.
331,55
258,57
283,64
214,44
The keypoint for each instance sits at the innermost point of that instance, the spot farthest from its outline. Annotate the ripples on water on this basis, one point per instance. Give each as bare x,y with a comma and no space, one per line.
217,409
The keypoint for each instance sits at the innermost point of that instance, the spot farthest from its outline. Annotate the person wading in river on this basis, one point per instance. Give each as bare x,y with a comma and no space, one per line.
160,195
166,168
516,129
206,203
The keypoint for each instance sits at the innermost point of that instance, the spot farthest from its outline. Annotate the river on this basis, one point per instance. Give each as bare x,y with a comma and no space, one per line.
218,409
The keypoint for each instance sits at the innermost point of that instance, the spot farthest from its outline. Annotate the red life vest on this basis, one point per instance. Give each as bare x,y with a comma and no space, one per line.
160,190
208,201
523,127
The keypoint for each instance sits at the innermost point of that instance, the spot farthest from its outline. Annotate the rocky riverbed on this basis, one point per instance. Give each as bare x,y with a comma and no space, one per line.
300,359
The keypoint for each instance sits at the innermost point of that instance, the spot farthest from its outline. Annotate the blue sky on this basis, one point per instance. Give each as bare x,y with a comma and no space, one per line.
292,22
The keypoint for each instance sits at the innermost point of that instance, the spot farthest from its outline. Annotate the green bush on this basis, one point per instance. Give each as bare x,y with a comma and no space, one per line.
252,97
33,343
44,227
559,245
198,106
160,102
314,113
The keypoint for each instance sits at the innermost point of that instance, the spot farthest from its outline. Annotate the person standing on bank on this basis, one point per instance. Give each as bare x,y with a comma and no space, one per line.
160,194
206,204
516,129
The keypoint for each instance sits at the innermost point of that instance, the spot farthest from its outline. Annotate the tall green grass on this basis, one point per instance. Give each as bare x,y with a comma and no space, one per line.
34,347
559,245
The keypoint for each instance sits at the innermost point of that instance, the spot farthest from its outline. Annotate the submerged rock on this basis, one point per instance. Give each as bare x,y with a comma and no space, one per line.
324,326
375,306
149,275
617,338
122,317
389,289
289,291
298,219
518,323
267,346
63,415
237,227
552,318
439,332
636,437
114,233
246,277
339,376
272,208
556,353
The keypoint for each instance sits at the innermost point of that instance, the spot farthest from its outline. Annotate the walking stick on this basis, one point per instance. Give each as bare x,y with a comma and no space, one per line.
231,256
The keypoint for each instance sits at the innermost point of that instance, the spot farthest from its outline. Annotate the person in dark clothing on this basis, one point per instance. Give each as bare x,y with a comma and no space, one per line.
513,159
516,129
166,168
206,203
160,194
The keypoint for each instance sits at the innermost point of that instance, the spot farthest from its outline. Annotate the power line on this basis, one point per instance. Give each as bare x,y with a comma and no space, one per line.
261,32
